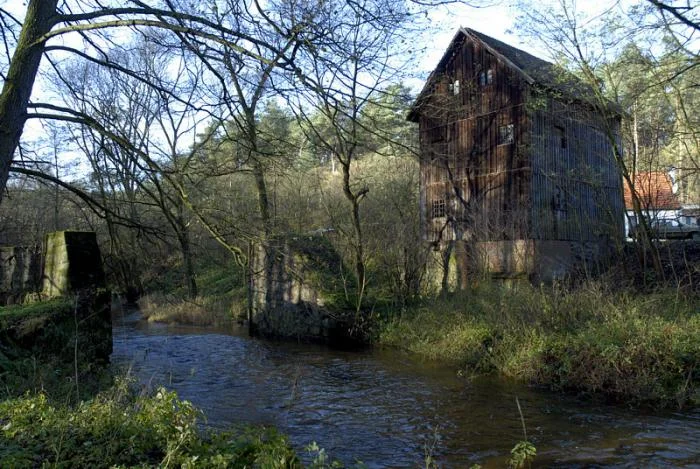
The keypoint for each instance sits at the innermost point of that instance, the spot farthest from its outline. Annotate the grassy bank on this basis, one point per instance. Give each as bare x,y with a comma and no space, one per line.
221,300
60,346
637,349
64,411
52,415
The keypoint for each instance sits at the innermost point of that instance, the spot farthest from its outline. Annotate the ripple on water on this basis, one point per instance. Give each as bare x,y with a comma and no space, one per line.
389,410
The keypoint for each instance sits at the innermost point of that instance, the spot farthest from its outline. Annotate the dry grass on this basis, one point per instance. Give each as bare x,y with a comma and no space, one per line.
202,311
637,348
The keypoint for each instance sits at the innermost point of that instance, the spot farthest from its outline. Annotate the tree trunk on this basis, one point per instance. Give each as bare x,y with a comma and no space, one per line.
445,257
20,80
354,200
190,280
271,245
263,199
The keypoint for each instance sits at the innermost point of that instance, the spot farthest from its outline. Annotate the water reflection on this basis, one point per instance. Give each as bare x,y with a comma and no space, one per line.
388,409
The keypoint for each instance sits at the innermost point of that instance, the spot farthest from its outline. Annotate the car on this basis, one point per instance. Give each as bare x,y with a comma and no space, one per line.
670,229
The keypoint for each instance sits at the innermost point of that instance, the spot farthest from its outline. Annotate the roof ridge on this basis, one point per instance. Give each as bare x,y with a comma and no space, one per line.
536,71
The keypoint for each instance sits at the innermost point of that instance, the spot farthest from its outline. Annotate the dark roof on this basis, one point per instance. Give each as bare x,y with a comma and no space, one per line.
533,69
655,192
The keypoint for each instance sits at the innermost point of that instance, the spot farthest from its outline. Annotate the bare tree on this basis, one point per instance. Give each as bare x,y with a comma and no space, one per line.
358,57
45,22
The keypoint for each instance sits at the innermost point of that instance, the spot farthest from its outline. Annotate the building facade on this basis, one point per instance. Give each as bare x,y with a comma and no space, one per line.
518,163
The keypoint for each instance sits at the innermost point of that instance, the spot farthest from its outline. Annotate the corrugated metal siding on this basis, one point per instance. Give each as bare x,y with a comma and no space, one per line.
576,191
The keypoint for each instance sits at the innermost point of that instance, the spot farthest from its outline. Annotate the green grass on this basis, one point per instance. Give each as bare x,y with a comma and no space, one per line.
58,347
9,315
638,349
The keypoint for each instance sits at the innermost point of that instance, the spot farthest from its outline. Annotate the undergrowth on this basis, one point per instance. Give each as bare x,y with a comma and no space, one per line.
639,349
123,429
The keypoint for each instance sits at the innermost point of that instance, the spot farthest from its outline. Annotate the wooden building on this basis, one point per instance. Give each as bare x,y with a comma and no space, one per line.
518,169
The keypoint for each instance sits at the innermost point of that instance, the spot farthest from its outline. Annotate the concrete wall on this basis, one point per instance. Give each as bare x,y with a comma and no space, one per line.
296,289
72,262
533,260
72,268
20,273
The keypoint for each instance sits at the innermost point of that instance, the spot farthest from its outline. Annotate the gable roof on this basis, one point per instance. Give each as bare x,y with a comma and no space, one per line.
655,191
534,70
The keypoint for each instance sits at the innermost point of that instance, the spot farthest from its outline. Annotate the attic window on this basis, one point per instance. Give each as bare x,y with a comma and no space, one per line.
506,134
486,77
454,87
438,208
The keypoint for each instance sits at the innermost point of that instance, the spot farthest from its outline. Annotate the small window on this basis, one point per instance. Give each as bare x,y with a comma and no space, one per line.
455,87
438,208
559,204
486,77
506,134
561,135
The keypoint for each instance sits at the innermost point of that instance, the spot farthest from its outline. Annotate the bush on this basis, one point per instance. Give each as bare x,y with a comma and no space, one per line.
119,428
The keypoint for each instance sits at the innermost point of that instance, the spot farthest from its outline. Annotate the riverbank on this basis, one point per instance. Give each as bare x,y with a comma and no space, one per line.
624,345
61,407
221,301
638,349
121,428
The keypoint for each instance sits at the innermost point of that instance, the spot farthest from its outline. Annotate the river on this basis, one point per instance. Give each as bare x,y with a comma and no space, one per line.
389,409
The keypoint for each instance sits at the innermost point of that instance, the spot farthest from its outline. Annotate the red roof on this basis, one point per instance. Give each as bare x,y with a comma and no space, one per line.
655,190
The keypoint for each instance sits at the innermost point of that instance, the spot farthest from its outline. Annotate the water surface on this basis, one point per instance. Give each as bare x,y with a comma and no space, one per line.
389,409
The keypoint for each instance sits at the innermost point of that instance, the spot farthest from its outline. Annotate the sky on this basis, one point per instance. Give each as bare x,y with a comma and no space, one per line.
496,20
499,21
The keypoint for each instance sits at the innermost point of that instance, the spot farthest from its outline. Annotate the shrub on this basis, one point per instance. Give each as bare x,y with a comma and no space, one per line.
119,428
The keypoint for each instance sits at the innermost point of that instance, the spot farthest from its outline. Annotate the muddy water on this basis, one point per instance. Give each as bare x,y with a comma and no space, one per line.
389,409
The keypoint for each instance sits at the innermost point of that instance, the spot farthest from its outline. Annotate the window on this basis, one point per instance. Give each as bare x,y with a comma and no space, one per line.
438,208
505,134
455,87
559,205
561,135
486,77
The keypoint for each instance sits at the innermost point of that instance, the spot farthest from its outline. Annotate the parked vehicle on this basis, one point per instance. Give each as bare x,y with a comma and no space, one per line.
670,229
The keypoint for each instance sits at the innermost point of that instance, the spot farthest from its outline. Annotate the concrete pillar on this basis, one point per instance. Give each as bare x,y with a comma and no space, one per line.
72,262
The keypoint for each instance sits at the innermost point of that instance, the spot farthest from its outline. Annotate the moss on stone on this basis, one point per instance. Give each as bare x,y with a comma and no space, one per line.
51,328
10,315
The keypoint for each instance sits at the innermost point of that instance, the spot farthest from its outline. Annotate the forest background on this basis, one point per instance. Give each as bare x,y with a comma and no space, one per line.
198,130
